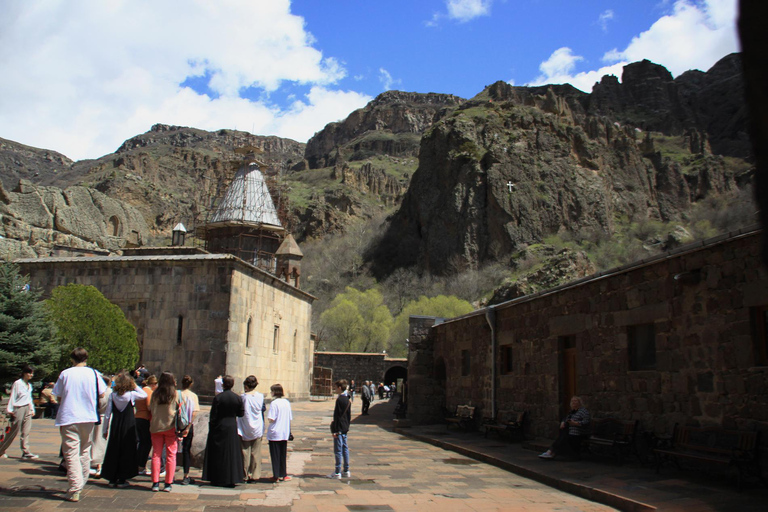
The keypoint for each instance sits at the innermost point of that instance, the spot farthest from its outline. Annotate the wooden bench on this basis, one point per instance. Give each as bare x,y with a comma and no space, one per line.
463,417
513,428
713,446
614,436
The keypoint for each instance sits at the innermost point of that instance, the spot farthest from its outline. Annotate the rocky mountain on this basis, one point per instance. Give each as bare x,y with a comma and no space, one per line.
38,221
391,124
516,164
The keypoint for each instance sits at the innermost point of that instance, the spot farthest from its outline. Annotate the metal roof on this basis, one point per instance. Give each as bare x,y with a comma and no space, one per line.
247,199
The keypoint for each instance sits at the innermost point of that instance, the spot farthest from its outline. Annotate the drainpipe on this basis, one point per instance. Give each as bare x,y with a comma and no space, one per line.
490,317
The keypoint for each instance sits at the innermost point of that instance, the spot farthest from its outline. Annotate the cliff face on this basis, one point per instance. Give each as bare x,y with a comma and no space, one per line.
39,221
390,124
514,165
649,98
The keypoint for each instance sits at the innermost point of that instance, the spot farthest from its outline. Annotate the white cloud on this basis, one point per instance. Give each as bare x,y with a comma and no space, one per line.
560,66
604,18
691,36
82,76
466,10
385,77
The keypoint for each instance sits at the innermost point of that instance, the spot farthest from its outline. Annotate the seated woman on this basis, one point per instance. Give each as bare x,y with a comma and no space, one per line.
573,429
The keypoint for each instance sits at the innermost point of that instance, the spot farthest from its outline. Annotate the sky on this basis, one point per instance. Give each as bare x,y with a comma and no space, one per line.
81,76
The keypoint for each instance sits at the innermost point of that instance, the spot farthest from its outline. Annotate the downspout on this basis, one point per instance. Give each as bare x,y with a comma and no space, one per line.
490,317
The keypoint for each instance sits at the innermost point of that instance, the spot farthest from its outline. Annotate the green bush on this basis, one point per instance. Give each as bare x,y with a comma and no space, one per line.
85,318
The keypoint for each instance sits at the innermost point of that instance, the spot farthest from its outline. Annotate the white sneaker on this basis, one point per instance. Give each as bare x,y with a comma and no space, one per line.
335,476
162,474
347,474
546,455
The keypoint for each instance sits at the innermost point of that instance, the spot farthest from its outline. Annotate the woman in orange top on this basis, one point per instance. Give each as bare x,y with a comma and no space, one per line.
142,424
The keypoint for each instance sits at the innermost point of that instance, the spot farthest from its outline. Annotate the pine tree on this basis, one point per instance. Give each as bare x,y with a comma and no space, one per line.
26,335
85,318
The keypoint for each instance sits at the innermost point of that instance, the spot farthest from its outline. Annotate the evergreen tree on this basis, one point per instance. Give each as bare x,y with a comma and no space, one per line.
85,318
26,336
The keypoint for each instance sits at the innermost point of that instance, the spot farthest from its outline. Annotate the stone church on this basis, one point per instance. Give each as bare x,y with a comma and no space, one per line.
234,307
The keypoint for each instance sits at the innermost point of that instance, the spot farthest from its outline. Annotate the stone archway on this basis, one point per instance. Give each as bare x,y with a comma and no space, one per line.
113,226
397,374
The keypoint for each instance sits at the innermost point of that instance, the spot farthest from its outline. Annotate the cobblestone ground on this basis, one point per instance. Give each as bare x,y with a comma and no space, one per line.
389,473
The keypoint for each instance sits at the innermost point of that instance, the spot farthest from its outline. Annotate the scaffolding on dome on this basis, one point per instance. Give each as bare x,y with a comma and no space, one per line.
249,218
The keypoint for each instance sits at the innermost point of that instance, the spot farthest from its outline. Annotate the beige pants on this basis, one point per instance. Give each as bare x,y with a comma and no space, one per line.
252,458
22,420
76,445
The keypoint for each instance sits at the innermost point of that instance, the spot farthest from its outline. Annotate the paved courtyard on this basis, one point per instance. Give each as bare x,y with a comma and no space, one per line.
389,473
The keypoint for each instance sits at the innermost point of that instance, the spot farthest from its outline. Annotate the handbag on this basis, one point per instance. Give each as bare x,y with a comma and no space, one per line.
182,418
290,436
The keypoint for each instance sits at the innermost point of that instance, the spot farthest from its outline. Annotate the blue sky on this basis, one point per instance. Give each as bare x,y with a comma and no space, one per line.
81,76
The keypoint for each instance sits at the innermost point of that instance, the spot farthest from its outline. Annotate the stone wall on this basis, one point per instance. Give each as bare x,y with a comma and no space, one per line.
358,366
701,303
191,314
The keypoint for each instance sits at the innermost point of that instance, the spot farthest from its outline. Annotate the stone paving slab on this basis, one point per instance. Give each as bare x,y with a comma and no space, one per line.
390,472
631,486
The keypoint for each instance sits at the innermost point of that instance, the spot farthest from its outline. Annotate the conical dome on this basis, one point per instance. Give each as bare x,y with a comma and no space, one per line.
247,200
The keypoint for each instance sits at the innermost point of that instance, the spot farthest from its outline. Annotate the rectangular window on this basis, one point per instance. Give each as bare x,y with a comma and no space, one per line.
275,339
295,343
248,334
505,351
759,316
641,345
179,329
465,363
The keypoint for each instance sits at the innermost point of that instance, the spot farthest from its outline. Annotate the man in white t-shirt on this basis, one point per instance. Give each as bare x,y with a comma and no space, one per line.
218,385
78,390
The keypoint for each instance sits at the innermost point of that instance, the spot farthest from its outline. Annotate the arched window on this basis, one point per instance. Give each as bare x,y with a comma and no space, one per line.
179,330
113,226
248,334
276,339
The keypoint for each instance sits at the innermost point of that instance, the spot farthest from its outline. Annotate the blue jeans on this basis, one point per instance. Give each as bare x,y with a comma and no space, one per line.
340,449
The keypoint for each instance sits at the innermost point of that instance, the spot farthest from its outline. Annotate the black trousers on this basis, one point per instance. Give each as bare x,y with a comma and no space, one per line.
186,446
278,451
366,405
144,441
566,444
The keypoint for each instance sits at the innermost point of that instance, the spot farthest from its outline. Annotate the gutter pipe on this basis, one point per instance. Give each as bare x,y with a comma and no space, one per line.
490,317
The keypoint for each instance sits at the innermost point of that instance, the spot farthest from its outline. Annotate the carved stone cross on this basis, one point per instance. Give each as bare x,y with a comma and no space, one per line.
510,186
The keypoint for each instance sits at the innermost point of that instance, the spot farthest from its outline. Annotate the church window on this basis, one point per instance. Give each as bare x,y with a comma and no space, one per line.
179,330
641,344
276,339
759,316
295,343
248,334
506,359
465,363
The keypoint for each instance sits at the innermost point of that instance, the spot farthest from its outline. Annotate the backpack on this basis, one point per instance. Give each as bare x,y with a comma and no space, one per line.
182,415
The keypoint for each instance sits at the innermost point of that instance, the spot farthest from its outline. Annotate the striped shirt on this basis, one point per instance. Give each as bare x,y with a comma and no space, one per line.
582,417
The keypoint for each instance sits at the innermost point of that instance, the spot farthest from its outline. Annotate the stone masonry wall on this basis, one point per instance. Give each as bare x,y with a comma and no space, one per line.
358,366
700,304
212,297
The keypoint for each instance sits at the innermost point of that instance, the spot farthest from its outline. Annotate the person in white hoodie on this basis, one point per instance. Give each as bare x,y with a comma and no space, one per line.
251,429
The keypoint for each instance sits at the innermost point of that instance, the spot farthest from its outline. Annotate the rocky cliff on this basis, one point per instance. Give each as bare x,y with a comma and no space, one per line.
516,164
391,124
41,221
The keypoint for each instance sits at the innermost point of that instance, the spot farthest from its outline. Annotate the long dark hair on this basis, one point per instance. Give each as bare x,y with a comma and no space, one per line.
166,389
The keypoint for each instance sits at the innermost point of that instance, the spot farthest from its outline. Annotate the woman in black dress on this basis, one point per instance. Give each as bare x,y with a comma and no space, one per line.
120,459
223,454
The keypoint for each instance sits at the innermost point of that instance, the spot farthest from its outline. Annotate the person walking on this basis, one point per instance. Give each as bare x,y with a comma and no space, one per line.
162,427
351,390
78,390
223,465
278,433
142,425
372,387
21,408
186,443
366,397
251,429
340,427
120,426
